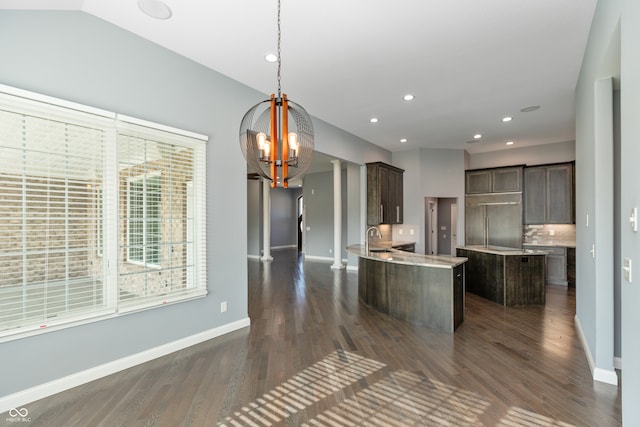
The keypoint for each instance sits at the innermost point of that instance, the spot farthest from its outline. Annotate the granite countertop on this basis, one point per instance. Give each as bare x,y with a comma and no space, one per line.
388,244
402,257
501,250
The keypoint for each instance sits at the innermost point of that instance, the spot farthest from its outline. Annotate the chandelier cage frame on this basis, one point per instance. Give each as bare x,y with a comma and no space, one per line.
276,136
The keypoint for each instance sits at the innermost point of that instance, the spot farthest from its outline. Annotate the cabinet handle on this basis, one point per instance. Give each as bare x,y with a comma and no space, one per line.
398,214
381,213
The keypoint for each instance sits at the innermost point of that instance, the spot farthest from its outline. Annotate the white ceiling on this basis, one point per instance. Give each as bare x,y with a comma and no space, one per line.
468,62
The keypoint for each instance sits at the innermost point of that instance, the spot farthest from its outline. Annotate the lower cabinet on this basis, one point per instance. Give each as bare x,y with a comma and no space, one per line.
571,267
556,273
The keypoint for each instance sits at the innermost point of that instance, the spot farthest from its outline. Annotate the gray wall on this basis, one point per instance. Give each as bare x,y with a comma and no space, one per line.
77,57
318,206
254,217
74,56
594,289
284,218
611,51
630,198
429,173
536,155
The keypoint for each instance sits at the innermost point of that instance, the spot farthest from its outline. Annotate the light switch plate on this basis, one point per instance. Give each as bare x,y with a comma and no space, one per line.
627,269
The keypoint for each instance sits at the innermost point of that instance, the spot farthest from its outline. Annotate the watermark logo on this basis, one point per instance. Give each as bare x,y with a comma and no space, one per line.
18,416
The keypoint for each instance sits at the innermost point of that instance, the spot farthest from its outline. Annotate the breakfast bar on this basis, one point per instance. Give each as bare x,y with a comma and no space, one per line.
422,289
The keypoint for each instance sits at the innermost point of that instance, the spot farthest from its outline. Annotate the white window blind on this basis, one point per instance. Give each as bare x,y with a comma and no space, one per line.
160,172
50,171
97,215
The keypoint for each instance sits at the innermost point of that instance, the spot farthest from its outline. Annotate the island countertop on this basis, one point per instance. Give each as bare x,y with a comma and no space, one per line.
388,254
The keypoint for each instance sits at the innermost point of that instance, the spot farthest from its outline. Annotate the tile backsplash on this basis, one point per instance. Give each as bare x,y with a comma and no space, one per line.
550,234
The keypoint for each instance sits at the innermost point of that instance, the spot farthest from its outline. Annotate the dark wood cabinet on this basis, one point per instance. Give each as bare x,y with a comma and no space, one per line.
509,280
556,263
571,267
507,180
478,182
422,294
385,186
497,180
556,270
548,194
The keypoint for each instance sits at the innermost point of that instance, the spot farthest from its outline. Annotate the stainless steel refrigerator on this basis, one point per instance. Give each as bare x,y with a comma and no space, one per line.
494,220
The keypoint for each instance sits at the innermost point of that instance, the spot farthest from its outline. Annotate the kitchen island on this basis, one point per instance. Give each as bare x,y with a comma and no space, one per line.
508,276
422,289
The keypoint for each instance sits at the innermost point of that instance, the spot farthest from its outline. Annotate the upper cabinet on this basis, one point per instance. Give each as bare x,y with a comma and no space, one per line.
384,194
498,180
548,194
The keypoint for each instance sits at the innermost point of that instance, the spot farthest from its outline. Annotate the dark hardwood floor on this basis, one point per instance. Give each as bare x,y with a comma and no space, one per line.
315,356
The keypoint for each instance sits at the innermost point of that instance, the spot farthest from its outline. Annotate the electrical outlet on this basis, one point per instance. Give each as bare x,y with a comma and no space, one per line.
401,231
223,306
411,231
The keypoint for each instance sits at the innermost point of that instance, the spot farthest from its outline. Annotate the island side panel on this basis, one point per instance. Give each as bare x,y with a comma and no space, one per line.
458,294
422,295
372,284
485,274
524,281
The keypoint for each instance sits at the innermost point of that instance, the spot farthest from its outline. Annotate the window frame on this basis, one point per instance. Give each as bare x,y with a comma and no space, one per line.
144,261
103,236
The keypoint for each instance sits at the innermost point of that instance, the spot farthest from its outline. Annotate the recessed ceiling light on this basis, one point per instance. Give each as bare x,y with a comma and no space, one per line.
270,57
507,119
509,142
374,120
477,136
155,9
530,108
408,97
403,140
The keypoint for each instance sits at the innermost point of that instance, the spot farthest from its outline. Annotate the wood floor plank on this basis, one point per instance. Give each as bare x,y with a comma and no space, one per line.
316,356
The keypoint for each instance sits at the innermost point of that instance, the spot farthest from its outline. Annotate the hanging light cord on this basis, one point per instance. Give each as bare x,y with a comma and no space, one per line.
279,60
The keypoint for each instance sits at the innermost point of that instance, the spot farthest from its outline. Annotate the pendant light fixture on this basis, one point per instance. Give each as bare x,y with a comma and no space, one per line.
276,136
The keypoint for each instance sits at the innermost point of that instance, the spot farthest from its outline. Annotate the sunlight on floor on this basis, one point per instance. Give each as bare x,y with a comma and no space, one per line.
400,399
330,375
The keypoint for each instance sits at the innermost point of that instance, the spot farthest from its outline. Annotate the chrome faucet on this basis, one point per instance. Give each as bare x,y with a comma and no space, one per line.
366,241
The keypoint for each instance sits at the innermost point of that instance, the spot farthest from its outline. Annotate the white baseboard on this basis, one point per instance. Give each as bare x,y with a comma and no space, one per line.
275,248
617,363
352,268
318,258
253,257
598,374
22,398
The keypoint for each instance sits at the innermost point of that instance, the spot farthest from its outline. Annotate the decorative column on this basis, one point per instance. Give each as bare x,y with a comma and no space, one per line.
337,216
266,221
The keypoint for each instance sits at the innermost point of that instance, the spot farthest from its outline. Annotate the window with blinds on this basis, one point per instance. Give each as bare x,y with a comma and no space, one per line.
98,215
157,172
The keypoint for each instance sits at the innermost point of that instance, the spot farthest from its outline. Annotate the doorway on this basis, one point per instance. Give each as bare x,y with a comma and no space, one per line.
299,214
441,225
